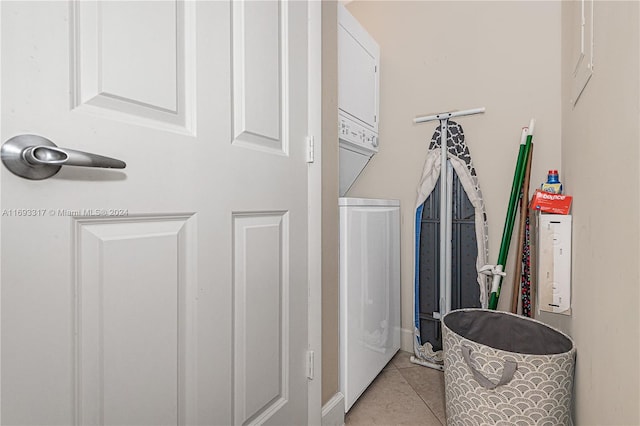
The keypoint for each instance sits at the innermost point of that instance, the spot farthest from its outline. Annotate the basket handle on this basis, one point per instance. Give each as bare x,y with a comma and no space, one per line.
508,369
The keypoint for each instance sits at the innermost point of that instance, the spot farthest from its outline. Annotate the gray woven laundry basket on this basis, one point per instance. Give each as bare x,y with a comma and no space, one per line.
505,369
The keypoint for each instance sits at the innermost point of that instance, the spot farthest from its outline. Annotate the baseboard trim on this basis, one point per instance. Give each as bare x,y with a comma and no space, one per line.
333,411
406,340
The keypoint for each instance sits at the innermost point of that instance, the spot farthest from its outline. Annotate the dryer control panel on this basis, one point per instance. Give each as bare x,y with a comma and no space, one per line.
354,133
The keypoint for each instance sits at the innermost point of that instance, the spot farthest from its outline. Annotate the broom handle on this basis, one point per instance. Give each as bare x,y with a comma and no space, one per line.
524,202
518,176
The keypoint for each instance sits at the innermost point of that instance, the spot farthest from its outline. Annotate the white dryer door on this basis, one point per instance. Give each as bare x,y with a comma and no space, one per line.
357,79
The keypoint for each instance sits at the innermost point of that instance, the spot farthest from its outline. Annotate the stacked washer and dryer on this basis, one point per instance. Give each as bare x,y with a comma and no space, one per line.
369,228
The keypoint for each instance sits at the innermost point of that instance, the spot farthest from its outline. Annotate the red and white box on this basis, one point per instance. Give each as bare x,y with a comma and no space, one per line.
551,203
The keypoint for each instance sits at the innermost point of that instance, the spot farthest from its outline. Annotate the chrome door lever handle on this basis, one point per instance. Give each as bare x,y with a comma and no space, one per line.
42,155
35,157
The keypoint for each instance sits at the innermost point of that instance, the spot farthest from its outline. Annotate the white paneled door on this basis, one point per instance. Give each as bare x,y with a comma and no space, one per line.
173,291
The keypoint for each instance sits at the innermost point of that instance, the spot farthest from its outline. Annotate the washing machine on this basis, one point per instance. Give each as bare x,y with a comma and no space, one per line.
369,291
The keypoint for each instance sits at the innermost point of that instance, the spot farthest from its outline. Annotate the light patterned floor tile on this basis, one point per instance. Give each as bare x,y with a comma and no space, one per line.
402,360
429,384
390,400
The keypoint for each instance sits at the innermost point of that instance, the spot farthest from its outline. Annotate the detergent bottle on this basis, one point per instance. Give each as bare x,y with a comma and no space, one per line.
553,184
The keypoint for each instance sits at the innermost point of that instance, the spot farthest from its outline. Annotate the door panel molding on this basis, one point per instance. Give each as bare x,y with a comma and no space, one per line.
112,79
260,59
135,319
261,316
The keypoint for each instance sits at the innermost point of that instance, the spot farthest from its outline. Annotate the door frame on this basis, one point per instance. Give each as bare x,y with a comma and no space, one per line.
314,196
0,220
314,251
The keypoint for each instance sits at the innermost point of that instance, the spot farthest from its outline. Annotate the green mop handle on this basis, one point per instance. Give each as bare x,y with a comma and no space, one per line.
518,177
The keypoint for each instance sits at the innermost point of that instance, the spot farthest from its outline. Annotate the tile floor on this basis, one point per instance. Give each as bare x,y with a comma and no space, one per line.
403,394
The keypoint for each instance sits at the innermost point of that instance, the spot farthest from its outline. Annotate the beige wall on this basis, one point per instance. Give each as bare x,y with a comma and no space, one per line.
601,157
507,57
439,56
330,243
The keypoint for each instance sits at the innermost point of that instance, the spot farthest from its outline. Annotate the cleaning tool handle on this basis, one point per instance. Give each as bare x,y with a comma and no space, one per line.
518,177
508,223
